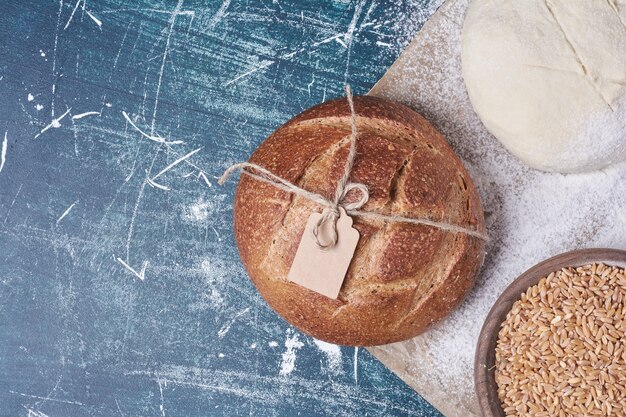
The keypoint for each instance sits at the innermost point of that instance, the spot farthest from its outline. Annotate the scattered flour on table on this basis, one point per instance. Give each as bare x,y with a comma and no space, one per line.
530,215
333,355
201,210
215,272
292,344
394,34
407,22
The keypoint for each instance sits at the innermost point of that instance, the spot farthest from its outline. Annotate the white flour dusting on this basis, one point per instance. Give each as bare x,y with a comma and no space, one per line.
198,211
530,215
292,344
205,213
214,273
333,355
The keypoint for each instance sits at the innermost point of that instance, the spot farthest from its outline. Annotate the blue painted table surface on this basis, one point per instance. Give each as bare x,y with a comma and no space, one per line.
121,290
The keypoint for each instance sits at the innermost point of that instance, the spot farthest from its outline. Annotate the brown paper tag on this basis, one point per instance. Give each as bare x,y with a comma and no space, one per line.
323,270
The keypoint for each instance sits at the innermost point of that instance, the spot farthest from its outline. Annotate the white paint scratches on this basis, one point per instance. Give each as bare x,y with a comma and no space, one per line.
132,168
226,327
30,97
217,235
3,151
179,6
219,14
94,18
72,15
173,164
162,405
35,413
341,42
264,64
89,113
272,390
339,38
349,36
152,137
54,59
17,194
273,343
333,355
91,16
141,274
355,18
118,408
356,365
191,13
56,400
156,184
202,175
292,344
133,217
55,123
326,40
75,134
388,45
66,212
119,51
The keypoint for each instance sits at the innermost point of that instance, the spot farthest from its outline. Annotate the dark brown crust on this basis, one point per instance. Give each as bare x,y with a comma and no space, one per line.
403,277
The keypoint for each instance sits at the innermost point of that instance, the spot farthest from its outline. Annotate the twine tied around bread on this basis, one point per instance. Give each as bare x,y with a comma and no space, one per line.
331,212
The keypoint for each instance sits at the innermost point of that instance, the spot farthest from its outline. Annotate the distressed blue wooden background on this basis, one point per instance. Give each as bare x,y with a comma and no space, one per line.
121,291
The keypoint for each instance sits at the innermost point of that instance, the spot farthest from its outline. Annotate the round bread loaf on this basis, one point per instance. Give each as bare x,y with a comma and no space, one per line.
403,277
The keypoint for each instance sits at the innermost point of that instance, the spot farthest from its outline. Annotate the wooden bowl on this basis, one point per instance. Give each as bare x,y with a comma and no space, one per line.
484,362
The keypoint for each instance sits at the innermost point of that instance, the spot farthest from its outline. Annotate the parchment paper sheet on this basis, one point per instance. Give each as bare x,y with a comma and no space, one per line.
530,215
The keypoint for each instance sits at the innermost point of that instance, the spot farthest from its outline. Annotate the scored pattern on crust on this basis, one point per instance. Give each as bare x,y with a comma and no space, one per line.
369,281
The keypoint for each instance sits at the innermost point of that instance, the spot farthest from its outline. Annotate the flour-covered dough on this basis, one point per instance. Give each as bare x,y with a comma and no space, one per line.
548,79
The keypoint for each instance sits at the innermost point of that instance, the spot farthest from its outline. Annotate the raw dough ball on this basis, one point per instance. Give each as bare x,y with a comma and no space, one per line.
548,79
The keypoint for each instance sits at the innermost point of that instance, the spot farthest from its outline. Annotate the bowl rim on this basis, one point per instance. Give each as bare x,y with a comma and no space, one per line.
484,360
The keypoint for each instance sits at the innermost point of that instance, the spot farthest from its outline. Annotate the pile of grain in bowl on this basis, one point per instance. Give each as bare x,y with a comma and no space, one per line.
562,349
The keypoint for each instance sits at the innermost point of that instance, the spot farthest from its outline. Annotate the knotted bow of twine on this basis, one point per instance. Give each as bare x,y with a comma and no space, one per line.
331,213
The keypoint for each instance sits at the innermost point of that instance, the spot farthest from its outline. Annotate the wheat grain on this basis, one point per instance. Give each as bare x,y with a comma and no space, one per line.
561,349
